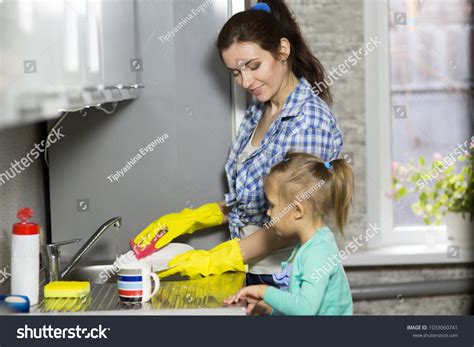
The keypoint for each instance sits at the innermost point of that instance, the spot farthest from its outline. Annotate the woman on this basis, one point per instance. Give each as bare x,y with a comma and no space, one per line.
264,50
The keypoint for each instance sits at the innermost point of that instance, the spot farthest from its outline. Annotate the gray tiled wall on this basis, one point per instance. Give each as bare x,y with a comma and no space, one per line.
333,28
461,304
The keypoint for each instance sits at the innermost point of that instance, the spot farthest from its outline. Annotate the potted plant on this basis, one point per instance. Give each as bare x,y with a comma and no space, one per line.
442,191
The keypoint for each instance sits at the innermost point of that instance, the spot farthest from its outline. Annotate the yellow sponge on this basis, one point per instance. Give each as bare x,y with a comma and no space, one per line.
65,289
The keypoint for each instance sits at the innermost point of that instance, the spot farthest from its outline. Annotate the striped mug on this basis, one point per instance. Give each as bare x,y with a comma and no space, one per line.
134,283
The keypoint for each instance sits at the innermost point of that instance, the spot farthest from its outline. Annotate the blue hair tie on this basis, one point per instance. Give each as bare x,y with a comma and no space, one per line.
328,165
261,6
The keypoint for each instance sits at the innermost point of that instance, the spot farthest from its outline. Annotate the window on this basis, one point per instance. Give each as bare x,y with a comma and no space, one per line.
431,93
419,101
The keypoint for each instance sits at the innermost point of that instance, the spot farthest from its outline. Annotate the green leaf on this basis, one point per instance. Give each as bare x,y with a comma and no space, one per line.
401,193
423,197
421,161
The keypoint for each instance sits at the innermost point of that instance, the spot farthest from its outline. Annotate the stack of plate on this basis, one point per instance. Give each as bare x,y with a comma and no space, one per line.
158,260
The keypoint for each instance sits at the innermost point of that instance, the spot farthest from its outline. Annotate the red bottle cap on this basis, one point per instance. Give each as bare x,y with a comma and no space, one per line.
24,227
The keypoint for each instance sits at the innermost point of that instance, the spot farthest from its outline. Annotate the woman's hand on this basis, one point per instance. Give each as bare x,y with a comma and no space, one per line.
254,297
165,229
198,263
263,242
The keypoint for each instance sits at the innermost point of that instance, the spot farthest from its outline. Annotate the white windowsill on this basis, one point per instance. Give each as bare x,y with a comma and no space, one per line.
408,255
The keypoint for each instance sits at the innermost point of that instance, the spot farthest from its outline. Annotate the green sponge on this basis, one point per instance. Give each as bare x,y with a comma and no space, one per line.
66,289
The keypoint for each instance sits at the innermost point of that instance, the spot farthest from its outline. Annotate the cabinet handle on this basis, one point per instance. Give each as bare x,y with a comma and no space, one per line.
129,86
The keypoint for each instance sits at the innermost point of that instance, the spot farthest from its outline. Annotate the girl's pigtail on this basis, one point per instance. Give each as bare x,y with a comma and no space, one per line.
342,188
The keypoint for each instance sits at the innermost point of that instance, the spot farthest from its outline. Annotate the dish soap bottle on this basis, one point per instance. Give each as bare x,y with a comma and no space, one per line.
25,257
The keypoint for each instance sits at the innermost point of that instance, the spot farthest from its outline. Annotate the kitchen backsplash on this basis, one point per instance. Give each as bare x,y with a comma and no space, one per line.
25,189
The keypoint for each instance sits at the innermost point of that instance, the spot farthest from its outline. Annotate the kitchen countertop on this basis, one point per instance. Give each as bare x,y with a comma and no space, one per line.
190,297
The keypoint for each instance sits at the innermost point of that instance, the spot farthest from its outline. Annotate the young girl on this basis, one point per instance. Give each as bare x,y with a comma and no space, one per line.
301,190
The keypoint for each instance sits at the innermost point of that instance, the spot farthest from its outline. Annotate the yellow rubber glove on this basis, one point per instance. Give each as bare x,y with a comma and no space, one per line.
185,222
196,264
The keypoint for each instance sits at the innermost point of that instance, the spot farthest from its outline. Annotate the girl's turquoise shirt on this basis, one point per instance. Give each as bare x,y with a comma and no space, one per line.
318,284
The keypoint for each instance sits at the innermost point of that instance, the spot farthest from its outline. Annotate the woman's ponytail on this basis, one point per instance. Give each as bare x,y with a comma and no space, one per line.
302,61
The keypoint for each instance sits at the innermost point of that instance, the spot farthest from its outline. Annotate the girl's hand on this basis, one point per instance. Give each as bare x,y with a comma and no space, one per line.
252,294
258,308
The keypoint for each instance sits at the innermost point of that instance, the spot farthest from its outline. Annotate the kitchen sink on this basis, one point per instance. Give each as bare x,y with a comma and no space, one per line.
177,295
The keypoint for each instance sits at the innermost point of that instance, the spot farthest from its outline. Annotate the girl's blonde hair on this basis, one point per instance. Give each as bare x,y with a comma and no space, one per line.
326,187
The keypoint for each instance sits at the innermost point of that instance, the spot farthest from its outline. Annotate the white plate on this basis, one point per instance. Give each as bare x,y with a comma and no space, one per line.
158,260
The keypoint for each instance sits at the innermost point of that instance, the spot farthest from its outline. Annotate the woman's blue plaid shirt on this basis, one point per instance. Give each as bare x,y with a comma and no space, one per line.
305,124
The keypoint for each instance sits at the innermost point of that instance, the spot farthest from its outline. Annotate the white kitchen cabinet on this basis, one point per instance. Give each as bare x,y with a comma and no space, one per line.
121,65
30,59
64,55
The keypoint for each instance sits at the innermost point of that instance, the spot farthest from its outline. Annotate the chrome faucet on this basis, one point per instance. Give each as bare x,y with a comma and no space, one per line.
52,254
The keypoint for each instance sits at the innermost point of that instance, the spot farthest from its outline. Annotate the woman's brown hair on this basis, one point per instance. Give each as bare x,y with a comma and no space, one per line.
304,177
266,30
